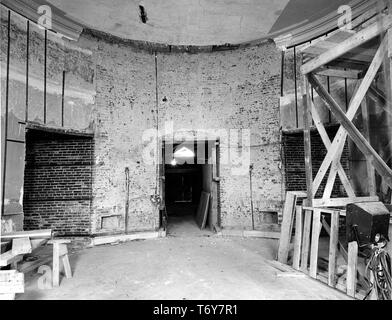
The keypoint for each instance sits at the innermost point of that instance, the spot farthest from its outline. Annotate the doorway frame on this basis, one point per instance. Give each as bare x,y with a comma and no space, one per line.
215,196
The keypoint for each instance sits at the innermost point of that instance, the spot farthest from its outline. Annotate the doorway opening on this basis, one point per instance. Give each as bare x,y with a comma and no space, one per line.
189,179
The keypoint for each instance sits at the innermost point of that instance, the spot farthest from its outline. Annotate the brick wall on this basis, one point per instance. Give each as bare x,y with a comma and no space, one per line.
57,185
294,163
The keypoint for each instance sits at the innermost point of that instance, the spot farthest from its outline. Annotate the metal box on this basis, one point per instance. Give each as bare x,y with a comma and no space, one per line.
369,218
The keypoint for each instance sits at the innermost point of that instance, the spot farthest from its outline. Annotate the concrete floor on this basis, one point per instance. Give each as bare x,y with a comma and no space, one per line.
187,264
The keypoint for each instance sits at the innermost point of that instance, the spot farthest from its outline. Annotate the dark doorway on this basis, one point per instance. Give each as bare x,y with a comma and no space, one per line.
185,179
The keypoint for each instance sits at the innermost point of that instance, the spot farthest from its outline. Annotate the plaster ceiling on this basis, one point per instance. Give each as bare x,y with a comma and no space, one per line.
193,22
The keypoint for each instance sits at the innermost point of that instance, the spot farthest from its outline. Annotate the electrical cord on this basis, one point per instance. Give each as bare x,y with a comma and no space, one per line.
379,267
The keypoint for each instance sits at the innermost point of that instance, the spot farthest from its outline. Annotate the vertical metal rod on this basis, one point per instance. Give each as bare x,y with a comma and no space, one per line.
157,124
282,75
45,66
345,91
126,199
329,91
295,85
6,112
251,195
27,70
62,99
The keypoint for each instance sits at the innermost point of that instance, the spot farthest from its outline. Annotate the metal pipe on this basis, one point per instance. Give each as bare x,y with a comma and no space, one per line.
62,99
27,70
251,195
45,66
126,199
6,112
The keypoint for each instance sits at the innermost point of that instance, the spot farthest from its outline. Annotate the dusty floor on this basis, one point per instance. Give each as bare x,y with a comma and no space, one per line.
187,264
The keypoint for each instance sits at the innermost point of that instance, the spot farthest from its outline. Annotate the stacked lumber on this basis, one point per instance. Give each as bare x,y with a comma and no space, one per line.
11,282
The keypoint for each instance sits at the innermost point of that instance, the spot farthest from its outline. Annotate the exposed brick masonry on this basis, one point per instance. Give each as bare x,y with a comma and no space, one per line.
57,187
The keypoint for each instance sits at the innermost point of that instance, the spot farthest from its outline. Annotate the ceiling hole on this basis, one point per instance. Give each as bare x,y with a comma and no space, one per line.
143,14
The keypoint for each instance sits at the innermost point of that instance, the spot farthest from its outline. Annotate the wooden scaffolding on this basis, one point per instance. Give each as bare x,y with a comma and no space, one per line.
358,55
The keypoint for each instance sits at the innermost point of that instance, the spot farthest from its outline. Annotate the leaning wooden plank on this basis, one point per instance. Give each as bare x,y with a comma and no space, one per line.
315,242
297,237
285,235
341,202
202,211
356,40
306,241
378,163
355,102
352,268
8,258
21,246
11,282
333,247
34,234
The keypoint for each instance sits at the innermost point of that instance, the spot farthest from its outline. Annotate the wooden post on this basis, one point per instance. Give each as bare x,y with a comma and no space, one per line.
333,247
306,241
60,251
315,242
366,134
56,266
352,268
307,140
298,237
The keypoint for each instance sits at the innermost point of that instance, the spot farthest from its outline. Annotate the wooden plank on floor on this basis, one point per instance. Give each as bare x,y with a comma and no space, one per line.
11,282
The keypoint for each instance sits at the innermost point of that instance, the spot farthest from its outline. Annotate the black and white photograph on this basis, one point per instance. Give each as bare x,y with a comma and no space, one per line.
196,155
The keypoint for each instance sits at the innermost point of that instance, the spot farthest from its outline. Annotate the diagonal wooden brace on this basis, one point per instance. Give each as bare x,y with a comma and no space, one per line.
352,131
340,137
327,142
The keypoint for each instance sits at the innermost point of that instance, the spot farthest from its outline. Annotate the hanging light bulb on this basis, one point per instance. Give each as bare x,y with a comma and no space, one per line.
173,162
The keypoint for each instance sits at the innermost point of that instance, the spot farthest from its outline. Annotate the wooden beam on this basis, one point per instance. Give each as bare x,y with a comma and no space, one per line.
297,237
366,132
306,241
11,281
341,202
34,234
340,137
8,258
352,268
314,246
380,99
356,40
353,132
307,117
333,248
339,73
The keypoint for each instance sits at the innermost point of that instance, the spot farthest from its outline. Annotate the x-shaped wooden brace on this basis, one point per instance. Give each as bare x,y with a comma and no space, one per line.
346,124
338,142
